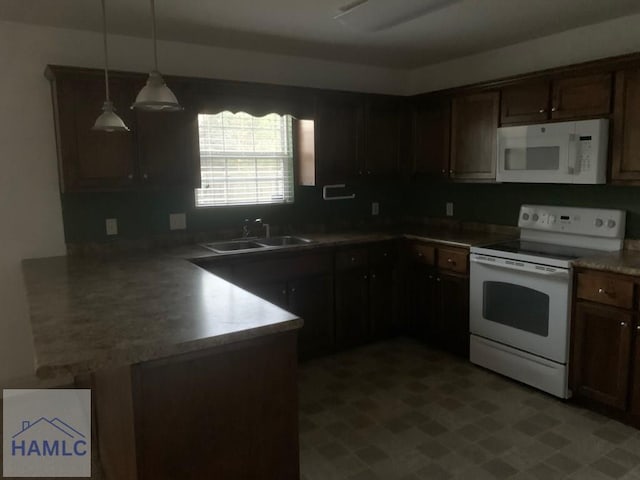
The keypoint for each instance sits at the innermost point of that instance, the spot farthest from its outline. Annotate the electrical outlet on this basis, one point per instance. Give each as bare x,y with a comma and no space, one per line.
111,225
375,208
449,209
177,221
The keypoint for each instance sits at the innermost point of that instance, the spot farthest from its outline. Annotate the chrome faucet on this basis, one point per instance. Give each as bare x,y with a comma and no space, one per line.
266,226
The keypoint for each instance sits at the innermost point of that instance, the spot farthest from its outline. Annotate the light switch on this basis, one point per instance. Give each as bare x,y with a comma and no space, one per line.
177,221
111,226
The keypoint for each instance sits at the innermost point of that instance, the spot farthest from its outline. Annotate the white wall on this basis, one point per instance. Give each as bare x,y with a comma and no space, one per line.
614,37
30,213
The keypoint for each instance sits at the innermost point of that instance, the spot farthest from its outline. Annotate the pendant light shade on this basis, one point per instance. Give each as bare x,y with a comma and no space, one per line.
108,121
155,95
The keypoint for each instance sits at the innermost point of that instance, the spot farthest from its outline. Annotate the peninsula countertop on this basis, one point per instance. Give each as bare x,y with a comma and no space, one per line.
91,313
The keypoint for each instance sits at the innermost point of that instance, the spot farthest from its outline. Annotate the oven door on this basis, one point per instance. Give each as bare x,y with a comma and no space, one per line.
520,304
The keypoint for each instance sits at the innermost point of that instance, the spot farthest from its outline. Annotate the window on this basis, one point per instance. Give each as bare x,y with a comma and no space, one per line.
244,159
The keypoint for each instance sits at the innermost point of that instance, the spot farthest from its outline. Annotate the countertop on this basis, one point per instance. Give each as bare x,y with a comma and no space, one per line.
92,313
626,262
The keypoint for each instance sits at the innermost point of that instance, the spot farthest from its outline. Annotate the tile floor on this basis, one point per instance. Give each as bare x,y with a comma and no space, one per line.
398,410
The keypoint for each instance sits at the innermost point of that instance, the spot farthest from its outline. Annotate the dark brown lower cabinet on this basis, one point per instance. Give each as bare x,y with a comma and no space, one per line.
420,301
230,412
635,383
352,312
382,301
311,298
601,354
453,313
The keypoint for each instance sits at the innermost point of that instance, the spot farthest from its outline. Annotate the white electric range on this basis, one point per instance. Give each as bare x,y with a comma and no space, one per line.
520,292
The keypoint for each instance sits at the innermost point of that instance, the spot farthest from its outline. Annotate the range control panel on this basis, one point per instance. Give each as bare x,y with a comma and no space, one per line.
596,222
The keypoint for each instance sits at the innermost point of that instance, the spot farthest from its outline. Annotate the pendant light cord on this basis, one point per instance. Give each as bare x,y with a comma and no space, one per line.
153,34
106,56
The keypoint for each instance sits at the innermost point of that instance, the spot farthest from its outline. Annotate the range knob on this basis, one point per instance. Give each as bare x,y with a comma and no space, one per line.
525,216
611,223
598,222
535,217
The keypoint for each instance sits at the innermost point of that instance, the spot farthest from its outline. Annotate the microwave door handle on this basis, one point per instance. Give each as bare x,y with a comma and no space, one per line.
573,164
546,273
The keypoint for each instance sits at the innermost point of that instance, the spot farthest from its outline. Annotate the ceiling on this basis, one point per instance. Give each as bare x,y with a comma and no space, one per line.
307,27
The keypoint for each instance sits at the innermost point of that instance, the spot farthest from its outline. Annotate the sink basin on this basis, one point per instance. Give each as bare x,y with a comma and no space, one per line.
283,241
233,246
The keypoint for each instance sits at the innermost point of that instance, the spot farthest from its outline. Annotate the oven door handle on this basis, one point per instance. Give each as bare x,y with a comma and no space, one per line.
528,268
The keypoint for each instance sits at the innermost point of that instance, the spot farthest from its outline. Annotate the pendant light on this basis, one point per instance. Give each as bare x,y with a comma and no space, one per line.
155,95
108,121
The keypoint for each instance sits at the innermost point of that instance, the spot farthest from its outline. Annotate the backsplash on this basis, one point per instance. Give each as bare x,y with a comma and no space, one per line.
500,203
143,215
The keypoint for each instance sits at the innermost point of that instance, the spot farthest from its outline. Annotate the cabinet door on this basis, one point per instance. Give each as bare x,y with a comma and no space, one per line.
420,301
383,121
474,123
431,134
338,136
453,313
601,354
525,103
382,301
92,160
352,301
168,145
626,127
311,298
581,96
635,384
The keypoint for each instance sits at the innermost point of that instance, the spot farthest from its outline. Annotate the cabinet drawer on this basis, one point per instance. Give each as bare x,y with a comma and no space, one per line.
382,253
453,259
351,258
422,253
605,289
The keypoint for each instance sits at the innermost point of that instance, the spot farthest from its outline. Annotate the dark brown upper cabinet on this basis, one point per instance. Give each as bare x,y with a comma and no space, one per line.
168,149
525,103
557,99
431,137
338,136
382,137
92,160
585,96
474,123
161,149
625,162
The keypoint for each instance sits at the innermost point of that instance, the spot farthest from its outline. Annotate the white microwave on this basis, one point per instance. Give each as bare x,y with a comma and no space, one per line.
565,152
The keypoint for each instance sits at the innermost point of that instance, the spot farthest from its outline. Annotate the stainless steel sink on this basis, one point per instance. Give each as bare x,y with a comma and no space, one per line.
284,241
233,246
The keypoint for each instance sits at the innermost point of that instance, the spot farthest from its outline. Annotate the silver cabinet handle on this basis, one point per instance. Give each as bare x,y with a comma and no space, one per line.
444,171
541,110
438,279
373,276
130,176
145,176
284,292
293,290
602,291
450,260
623,324
553,109
638,328
365,276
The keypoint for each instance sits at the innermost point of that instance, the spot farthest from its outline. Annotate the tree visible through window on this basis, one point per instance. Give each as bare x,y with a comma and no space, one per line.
244,159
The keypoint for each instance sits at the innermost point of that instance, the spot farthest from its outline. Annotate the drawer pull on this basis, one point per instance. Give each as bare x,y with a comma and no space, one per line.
353,259
450,261
420,254
623,324
602,291
541,110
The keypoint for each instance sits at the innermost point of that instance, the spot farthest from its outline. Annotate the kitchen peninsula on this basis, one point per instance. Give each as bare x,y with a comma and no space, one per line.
191,375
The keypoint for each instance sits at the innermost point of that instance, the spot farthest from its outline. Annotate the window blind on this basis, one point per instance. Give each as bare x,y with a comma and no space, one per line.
244,159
